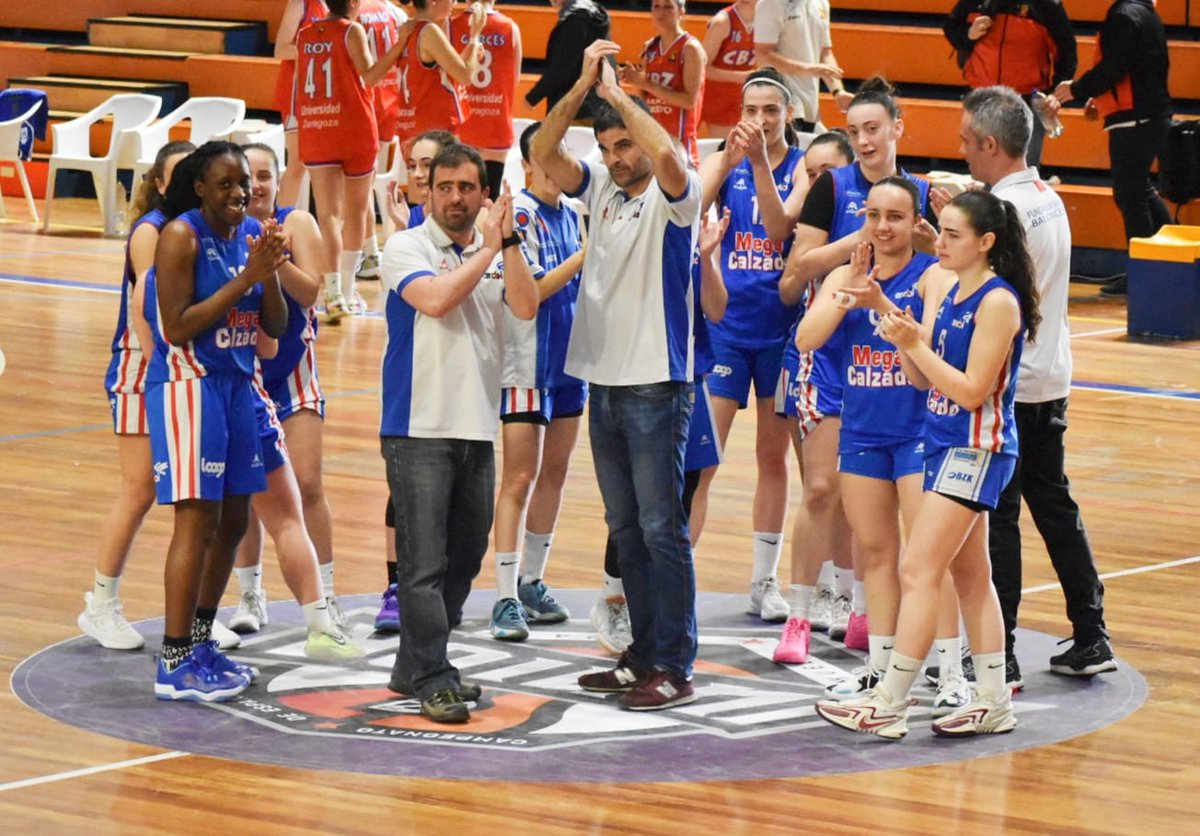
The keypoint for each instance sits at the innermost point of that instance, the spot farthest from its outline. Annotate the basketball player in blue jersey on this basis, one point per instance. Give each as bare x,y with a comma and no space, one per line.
540,406
759,178
214,286
125,382
407,213
826,606
966,351
881,452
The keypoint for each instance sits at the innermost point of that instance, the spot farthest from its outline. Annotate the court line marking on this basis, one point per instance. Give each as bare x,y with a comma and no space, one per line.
91,770
1102,333
1137,570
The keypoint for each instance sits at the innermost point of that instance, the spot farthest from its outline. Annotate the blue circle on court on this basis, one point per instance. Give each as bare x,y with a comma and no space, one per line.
753,719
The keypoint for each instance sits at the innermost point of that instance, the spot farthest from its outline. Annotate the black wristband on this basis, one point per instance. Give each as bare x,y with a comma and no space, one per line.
513,240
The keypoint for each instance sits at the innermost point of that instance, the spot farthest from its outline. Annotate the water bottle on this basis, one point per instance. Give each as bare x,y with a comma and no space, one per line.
1049,120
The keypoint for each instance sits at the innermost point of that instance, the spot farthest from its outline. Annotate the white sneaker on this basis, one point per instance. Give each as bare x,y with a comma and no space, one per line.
105,622
368,268
821,615
766,601
610,618
953,693
860,681
870,713
251,615
334,645
839,620
979,716
225,638
357,306
336,307
336,614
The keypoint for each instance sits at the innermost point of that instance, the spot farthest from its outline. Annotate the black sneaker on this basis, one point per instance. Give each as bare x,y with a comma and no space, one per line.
933,672
1012,671
1084,659
445,706
468,691
1012,674
1118,286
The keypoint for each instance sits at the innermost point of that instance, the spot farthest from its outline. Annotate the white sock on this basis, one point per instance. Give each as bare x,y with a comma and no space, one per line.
768,547
249,579
105,588
349,266
535,556
858,598
327,578
901,671
613,587
800,600
990,675
880,651
333,285
316,616
827,575
843,582
507,566
370,245
949,657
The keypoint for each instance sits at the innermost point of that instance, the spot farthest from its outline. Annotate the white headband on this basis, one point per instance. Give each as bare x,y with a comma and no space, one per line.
762,79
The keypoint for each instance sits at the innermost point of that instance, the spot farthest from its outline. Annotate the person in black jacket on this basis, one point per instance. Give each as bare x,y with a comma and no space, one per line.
579,23
1128,87
1023,44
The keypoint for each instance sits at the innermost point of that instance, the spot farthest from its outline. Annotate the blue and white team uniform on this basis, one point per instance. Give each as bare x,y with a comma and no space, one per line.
971,455
615,344
534,385
748,342
883,415
200,401
416,215
820,381
703,446
125,381
271,437
290,377
441,375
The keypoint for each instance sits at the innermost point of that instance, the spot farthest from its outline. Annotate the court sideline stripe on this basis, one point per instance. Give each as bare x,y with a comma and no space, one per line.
1137,570
91,770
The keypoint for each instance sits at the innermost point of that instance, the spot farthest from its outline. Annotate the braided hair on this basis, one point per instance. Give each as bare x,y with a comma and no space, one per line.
181,193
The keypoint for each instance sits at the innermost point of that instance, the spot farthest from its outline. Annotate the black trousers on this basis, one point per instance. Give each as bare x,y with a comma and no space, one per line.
1041,480
1131,152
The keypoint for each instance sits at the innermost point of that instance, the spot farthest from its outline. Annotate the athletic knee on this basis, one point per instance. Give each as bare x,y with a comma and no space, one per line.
821,494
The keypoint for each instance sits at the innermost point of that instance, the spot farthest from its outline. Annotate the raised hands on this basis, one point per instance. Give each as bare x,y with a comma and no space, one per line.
596,67
497,225
900,329
268,252
711,233
861,288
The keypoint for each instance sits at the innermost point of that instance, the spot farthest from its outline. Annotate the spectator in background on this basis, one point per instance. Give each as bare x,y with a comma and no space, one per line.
1128,87
579,23
1023,44
793,37
729,46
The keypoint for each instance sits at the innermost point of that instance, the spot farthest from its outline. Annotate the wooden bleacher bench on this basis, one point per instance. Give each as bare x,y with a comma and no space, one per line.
215,37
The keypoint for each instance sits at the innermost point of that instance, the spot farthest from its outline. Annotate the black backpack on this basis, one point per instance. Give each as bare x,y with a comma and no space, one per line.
1179,162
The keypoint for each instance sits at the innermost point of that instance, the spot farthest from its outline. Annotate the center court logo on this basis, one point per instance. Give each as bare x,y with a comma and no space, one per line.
530,697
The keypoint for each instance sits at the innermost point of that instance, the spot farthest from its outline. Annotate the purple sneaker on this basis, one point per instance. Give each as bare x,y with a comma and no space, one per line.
388,619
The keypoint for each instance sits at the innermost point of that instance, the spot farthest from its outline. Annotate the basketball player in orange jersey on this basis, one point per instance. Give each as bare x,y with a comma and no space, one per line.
493,87
671,75
296,15
339,139
729,47
432,74
384,24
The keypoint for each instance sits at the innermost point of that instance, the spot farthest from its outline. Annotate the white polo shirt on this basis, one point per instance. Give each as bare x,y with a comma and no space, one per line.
1045,373
799,29
633,319
441,376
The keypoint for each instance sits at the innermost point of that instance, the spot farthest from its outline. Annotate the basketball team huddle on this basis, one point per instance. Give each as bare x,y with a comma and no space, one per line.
893,337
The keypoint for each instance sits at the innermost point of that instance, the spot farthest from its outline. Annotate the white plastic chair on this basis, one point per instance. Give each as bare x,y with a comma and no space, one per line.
10,152
804,139
581,141
708,146
386,172
211,117
265,133
72,150
514,174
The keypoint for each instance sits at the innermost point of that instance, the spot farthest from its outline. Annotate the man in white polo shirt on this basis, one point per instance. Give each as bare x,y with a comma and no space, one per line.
793,37
446,283
632,342
996,127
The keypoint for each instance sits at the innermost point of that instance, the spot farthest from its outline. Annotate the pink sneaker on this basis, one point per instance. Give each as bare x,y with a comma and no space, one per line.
793,644
856,633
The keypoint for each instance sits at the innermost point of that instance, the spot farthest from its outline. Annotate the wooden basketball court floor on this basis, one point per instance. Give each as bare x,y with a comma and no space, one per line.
1132,457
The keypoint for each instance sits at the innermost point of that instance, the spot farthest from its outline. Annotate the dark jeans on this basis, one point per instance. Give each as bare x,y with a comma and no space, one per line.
443,490
1131,152
638,434
1041,480
1037,137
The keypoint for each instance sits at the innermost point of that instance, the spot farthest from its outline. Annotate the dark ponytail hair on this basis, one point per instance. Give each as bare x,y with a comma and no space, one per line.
148,197
905,185
877,90
181,193
1009,256
839,139
771,77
